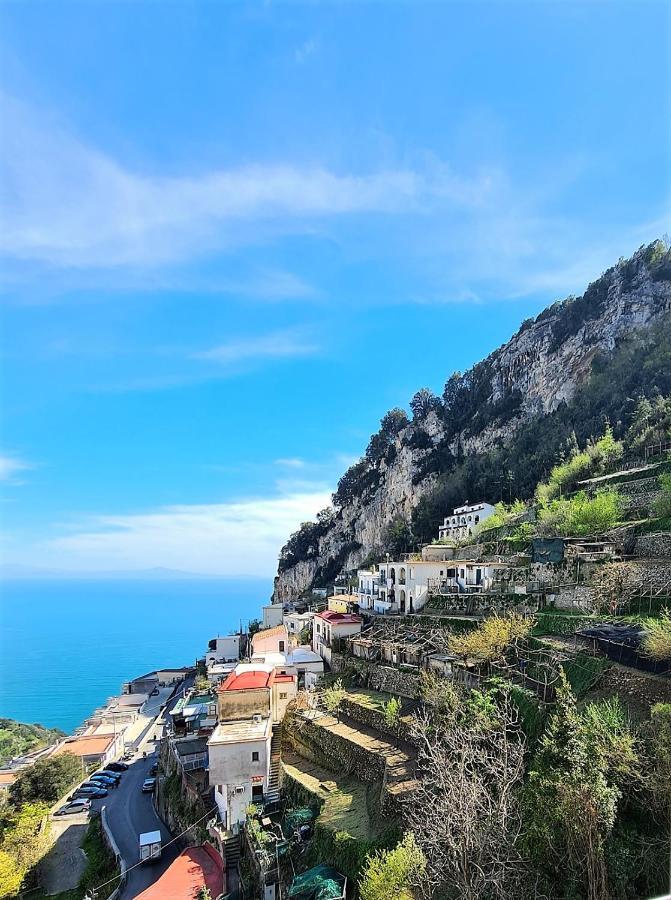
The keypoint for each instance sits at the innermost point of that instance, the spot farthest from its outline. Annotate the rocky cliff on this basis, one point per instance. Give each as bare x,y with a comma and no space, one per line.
536,376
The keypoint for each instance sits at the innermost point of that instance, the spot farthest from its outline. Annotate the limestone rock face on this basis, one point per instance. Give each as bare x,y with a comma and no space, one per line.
542,366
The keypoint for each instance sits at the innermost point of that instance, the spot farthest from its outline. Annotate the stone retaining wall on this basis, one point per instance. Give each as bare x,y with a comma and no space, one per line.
654,546
395,681
334,752
373,718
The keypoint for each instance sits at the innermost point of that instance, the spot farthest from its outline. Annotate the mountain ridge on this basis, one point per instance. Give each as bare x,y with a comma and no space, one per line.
533,378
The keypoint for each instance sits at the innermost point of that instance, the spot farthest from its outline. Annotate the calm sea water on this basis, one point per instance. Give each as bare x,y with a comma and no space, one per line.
67,645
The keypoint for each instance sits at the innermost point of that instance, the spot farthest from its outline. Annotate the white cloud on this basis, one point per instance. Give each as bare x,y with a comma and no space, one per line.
235,538
291,462
10,466
75,206
276,345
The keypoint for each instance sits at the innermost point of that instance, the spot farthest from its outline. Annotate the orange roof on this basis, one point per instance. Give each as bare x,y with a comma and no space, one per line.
194,868
87,745
270,632
8,777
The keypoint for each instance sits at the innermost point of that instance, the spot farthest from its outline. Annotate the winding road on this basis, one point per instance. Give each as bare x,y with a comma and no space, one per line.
129,812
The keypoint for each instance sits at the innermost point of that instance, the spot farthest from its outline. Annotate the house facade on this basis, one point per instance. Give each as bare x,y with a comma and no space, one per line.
270,640
223,649
368,588
404,586
295,622
250,703
328,626
464,520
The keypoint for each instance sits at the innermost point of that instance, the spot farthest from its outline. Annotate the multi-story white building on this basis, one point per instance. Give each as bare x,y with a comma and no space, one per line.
368,588
243,749
404,586
463,521
295,622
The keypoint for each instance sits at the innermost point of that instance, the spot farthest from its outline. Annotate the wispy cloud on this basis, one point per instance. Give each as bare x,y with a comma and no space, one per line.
234,538
11,466
277,345
307,49
292,462
78,207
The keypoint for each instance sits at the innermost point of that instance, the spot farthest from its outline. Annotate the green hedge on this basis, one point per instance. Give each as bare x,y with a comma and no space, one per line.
559,623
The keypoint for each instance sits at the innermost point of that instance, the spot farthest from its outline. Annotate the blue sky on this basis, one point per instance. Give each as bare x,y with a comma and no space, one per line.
233,236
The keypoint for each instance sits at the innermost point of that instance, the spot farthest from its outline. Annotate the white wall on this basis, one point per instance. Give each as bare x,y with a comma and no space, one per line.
231,766
272,615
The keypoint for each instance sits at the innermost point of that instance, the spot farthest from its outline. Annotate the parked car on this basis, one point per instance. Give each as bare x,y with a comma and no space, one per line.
128,755
148,785
102,781
108,773
95,793
117,766
75,806
154,769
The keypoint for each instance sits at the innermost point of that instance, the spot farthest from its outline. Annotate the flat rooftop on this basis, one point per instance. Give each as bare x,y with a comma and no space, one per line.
245,730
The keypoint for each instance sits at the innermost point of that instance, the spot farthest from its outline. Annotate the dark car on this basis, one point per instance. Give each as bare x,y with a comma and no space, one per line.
117,767
102,781
108,773
148,785
154,769
92,792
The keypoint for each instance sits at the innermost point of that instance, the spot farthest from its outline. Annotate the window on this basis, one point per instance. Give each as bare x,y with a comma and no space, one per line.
281,645
255,755
283,695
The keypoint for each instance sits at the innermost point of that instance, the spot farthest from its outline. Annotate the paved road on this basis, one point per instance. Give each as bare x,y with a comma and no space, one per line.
130,812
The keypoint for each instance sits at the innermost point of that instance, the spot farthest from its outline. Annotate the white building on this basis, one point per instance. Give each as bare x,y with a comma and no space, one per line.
252,701
295,622
404,586
223,649
328,626
272,615
368,588
463,521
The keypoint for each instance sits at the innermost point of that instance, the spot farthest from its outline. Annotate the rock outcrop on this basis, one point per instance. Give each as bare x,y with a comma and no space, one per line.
541,367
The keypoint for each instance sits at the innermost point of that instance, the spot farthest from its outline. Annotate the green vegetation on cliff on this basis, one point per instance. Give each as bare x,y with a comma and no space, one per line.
17,738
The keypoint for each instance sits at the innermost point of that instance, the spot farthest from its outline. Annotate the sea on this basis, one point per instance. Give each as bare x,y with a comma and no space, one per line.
66,645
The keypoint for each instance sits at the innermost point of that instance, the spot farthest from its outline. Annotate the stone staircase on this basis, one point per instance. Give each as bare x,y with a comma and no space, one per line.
272,794
232,851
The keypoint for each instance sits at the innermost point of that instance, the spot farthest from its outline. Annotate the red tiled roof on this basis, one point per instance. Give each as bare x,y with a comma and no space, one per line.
339,618
87,745
194,868
246,681
270,632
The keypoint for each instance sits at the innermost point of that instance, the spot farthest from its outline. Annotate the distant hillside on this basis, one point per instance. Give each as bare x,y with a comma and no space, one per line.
499,428
17,738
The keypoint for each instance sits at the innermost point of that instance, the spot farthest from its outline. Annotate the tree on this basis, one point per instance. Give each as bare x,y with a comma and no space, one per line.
582,761
389,874
398,537
490,639
465,812
23,843
333,697
392,712
424,402
46,780
253,626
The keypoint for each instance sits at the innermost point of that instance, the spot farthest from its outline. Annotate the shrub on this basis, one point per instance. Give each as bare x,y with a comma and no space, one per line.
333,697
389,873
663,504
491,638
657,642
392,711
581,515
